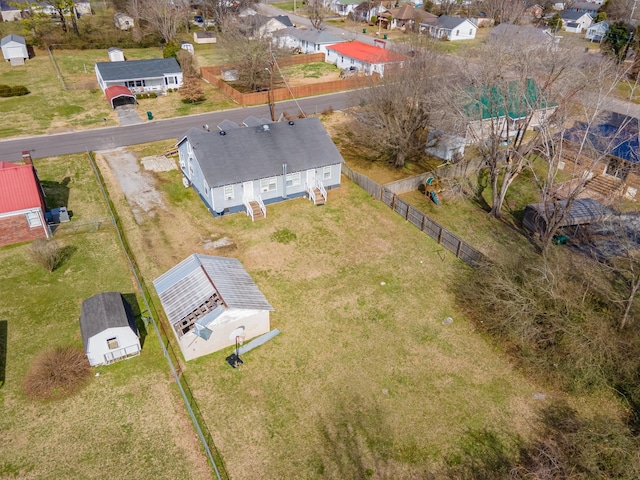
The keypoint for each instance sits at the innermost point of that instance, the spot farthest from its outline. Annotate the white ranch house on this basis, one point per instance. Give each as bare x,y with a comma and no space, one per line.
575,22
140,76
452,28
307,41
364,58
209,302
108,329
244,169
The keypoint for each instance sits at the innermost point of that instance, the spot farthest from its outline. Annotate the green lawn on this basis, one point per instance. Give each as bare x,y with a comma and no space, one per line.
126,421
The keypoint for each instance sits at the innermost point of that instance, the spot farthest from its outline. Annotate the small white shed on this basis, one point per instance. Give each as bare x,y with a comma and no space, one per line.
187,46
108,328
115,54
14,49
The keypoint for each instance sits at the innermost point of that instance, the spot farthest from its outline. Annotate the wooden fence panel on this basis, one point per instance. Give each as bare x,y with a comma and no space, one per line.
416,217
432,229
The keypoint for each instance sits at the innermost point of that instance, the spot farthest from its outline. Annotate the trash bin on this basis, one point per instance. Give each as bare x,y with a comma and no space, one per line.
150,115
560,239
364,30
384,36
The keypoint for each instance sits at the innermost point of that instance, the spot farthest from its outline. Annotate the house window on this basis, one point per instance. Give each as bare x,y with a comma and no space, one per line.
268,184
457,32
206,188
326,173
228,192
470,31
293,179
112,343
33,219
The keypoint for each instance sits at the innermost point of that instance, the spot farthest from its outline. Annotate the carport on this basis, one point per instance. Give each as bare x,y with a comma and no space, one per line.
119,95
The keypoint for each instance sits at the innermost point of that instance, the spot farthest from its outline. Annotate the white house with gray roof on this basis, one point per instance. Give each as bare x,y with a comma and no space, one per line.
244,168
140,76
452,28
344,7
209,302
108,329
307,41
575,22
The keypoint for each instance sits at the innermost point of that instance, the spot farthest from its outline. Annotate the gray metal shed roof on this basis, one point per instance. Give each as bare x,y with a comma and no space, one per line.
134,69
12,37
187,285
251,153
103,311
317,37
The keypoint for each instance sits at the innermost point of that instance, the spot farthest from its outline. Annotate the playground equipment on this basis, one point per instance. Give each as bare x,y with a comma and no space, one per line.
431,189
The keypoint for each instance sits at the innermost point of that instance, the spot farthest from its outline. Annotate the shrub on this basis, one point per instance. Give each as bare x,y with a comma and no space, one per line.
19,90
171,49
57,373
145,95
47,253
13,91
153,95
138,96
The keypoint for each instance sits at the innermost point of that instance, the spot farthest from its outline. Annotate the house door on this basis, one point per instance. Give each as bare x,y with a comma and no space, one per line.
247,191
311,177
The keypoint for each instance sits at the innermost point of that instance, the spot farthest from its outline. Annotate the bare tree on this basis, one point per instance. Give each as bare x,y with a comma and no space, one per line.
315,13
396,112
574,145
510,89
252,57
162,16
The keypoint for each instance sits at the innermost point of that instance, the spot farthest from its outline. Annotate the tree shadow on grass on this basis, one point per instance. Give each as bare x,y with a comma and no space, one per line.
57,192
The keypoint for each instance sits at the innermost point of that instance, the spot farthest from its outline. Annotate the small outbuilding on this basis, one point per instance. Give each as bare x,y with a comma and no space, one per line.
583,211
204,37
108,328
115,54
123,21
14,49
210,302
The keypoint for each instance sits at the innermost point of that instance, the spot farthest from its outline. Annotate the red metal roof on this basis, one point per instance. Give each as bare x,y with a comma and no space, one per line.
366,53
117,91
19,187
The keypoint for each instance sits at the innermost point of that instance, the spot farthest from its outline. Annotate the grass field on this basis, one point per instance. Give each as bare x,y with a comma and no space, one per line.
365,380
49,108
126,421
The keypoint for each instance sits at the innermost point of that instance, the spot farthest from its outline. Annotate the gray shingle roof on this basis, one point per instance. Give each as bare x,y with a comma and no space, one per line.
450,23
12,37
524,32
103,311
251,153
187,285
136,69
312,36
571,15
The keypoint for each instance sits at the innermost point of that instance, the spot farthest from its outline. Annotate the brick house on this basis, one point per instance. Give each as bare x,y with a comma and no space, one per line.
22,205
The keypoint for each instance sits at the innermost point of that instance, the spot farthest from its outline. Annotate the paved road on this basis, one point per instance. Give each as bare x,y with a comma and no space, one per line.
113,137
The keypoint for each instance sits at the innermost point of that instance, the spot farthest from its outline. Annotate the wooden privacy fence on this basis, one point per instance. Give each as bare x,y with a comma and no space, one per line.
212,75
444,237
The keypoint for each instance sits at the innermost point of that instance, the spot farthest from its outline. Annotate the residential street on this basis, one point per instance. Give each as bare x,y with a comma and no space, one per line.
108,138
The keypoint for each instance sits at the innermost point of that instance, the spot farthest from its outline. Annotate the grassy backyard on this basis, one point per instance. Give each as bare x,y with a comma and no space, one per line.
126,421
365,379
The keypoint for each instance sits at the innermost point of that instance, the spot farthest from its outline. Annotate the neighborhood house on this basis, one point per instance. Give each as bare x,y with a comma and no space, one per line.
305,41
108,328
140,76
22,204
239,168
450,28
210,302
363,58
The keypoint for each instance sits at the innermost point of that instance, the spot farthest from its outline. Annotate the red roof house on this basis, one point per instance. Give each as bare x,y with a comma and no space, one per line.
362,57
22,206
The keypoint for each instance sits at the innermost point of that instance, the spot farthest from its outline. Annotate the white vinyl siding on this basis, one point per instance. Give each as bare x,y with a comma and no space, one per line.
228,192
293,179
268,184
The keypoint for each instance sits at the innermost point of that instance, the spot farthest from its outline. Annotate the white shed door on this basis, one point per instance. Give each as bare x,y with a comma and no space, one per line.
15,52
247,190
